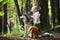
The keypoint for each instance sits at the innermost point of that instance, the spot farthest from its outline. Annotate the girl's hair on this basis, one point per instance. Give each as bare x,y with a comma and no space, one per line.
36,7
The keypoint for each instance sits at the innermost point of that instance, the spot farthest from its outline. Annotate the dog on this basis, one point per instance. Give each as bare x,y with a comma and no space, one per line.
26,19
34,31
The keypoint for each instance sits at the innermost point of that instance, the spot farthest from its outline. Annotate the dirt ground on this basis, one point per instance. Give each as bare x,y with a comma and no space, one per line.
55,37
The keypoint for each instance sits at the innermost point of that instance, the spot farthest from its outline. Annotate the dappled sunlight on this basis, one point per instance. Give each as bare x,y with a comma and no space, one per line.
12,25
50,14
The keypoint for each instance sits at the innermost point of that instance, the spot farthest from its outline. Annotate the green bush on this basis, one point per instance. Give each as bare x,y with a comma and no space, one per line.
18,30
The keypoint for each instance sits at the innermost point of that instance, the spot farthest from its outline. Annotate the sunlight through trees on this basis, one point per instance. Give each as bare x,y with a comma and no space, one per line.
11,10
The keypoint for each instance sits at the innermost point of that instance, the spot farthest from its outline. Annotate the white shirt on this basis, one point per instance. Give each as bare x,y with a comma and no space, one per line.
36,18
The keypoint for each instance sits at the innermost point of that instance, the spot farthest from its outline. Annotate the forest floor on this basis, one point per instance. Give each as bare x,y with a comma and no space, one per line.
55,37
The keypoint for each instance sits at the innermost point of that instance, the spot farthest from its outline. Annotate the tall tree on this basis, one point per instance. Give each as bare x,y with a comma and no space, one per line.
58,12
44,14
5,18
0,17
17,9
28,6
55,12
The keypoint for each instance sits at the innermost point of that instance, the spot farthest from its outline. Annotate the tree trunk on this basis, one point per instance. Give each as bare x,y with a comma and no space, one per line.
0,18
17,9
44,15
55,12
28,6
5,18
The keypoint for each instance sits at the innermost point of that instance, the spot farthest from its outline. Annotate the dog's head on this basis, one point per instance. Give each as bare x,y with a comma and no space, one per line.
26,18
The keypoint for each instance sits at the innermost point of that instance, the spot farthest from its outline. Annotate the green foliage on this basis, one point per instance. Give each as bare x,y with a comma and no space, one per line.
23,1
1,13
18,30
1,0
6,1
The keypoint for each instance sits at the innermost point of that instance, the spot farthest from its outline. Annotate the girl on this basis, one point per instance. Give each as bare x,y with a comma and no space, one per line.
36,16
34,29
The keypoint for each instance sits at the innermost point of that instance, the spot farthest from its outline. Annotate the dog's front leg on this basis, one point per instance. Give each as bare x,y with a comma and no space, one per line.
25,29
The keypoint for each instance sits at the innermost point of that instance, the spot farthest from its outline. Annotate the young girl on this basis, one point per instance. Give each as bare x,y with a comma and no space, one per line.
35,27
36,16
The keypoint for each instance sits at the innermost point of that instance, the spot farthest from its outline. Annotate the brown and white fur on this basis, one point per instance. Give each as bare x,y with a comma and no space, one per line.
34,31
